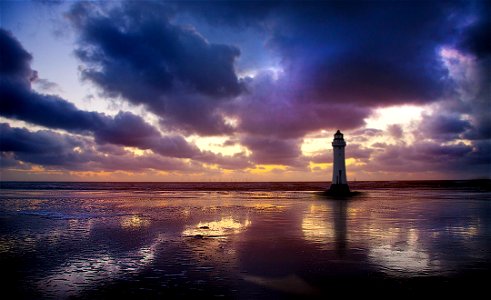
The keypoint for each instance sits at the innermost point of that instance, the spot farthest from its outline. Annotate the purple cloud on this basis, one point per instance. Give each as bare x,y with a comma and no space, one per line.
170,69
20,102
270,150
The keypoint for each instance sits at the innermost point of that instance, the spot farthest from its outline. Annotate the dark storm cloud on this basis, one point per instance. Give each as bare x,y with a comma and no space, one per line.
476,35
8,160
42,147
444,126
459,160
277,108
20,102
194,113
445,157
46,148
466,113
480,105
127,129
134,51
370,53
475,39
14,59
383,54
50,149
340,60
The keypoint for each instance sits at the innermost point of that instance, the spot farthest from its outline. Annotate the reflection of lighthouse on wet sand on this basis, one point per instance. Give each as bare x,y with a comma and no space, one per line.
339,185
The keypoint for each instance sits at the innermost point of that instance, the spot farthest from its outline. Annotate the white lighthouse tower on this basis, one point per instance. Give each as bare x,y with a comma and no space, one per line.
339,185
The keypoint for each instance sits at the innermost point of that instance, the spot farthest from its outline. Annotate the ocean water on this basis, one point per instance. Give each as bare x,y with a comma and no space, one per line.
243,240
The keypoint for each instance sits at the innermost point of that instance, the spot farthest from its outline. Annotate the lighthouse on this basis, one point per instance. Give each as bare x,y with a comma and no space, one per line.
339,185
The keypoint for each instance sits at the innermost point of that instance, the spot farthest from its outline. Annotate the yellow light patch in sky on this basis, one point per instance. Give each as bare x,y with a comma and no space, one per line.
406,116
162,173
77,149
85,174
137,151
211,166
351,161
315,145
261,169
456,142
41,169
322,166
215,144
227,171
401,115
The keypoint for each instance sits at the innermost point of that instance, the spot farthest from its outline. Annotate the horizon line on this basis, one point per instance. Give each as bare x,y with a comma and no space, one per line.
211,181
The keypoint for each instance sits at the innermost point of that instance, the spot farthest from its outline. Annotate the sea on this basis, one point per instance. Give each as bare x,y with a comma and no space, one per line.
281,240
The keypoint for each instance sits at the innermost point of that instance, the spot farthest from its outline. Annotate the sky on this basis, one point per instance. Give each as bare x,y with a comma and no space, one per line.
244,90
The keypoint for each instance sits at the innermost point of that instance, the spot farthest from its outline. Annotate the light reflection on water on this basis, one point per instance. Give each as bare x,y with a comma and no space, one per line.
235,241
399,250
93,269
220,228
316,227
134,221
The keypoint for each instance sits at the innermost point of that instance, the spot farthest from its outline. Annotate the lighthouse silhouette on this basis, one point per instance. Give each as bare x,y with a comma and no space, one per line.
339,185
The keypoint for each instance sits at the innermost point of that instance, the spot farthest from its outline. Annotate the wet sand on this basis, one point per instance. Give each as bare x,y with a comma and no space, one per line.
245,241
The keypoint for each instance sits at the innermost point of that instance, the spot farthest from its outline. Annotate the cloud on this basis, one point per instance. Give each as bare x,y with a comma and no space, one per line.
381,53
444,126
127,129
14,59
426,157
476,34
134,51
395,131
234,162
20,149
43,147
339,61
130,163
269,150
67,152
479,105
50,111
20,102
328,66
278,109
194,113
46,85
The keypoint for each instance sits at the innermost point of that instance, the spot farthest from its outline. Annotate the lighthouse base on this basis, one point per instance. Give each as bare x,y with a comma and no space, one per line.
339,190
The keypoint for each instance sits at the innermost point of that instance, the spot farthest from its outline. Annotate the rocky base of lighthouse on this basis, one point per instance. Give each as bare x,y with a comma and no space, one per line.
339,190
